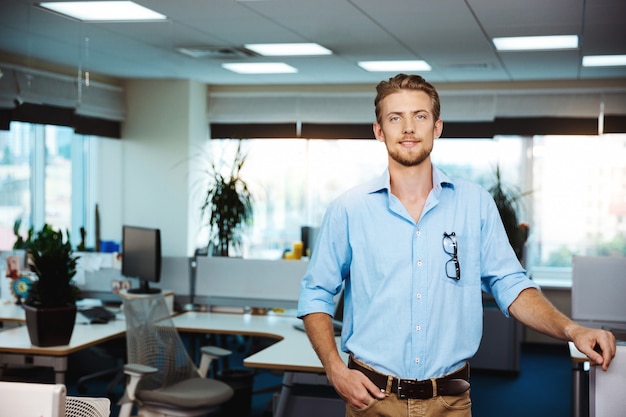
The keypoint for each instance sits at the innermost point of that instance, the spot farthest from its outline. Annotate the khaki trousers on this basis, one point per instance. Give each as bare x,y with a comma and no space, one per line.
439,406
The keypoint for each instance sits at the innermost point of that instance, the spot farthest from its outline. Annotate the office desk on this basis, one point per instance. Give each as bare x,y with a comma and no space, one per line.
292,353
16,349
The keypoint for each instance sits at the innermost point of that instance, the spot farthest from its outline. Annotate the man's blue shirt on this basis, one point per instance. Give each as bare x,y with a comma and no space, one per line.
403,315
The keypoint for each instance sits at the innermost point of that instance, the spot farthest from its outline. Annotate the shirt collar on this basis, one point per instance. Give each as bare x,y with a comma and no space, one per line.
440,180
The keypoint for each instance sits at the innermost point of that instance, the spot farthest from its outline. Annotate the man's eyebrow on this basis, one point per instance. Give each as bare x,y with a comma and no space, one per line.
409,112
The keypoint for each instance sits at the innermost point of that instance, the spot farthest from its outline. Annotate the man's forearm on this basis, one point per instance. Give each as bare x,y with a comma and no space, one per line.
319,329
535,311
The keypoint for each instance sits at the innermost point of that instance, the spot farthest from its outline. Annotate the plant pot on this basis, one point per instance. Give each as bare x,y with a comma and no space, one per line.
50,326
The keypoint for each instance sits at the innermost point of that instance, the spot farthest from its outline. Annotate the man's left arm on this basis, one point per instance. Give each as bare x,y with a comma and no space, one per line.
535,311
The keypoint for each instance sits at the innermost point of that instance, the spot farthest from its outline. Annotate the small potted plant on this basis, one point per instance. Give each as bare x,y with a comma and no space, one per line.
51,301
227,205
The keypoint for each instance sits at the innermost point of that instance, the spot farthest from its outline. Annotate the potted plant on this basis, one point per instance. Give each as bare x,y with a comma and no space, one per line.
51,301
227,205
507,202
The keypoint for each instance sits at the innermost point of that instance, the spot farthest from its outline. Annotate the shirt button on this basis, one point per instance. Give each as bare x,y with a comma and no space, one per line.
419,296
418,328
419,263
418,233
417,360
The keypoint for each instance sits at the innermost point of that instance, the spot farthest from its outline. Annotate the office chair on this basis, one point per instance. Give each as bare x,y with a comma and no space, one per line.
87,407
162,378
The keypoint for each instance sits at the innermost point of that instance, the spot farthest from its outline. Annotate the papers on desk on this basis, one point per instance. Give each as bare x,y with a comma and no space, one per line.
88,303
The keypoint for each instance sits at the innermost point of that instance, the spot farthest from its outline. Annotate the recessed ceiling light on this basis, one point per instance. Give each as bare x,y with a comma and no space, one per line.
103,10
536,43
260,68
386,66
288,49
604,60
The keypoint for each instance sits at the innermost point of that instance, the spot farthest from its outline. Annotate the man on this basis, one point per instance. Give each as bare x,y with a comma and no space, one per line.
414,249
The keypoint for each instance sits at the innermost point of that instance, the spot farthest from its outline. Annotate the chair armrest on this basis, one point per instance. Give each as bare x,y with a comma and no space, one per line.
210,353
218,352
135,369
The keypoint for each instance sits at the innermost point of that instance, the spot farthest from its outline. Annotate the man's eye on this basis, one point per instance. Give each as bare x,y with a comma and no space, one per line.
394,118
421,116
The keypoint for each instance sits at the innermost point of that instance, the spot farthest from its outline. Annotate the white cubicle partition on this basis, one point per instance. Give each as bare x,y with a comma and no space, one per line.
176,274
599,291
249,282
606,388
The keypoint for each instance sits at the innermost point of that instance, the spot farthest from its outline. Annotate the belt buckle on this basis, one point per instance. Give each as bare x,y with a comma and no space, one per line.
413,388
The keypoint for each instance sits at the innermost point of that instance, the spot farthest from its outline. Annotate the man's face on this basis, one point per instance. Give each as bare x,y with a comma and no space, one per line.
407,127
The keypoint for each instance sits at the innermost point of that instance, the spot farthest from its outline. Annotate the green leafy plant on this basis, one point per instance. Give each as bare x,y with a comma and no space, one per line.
20,243
51,259
227,205
507,202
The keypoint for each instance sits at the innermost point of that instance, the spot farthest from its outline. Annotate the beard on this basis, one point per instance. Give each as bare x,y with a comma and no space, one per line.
410,158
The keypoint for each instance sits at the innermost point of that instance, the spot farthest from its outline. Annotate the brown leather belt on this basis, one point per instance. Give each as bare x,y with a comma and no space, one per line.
453,384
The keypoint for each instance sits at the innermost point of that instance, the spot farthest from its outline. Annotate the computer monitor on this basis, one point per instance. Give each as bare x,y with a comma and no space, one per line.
141,257
28,399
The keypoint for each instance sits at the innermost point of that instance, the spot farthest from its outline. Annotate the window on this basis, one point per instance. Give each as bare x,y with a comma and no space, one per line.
573,188
579,198
44,179
293,181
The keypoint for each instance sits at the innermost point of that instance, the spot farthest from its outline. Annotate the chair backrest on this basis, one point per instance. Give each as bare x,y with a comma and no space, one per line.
153,340
87,407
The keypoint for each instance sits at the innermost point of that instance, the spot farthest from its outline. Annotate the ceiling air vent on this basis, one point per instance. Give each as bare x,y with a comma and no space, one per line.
476,66
219,52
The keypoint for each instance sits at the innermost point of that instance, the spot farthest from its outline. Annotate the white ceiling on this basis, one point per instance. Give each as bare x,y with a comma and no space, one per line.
453,36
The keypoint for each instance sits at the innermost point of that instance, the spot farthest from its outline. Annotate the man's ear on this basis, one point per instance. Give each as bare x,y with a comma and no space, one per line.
438,128
378,132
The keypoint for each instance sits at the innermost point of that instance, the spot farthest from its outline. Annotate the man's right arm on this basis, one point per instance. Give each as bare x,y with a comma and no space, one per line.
354,387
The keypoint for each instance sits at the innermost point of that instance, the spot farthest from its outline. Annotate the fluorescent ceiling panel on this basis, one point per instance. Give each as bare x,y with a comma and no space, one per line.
288,49
103,10
387,66
536,43
260,68
604,61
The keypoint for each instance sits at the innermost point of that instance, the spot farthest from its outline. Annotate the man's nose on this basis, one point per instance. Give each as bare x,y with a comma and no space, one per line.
408,127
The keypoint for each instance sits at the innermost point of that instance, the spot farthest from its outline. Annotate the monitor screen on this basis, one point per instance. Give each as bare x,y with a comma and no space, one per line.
141,257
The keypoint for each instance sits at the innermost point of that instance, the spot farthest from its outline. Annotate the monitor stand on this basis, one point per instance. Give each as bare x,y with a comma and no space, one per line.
144,288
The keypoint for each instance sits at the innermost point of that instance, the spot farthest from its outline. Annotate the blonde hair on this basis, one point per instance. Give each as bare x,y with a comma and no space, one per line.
406,82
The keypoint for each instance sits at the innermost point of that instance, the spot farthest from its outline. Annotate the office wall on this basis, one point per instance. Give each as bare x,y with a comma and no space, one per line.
145,177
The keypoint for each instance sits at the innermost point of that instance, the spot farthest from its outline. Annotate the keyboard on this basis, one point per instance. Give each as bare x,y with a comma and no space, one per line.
97,315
